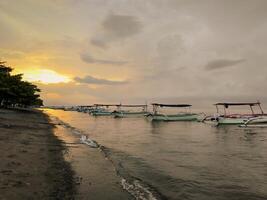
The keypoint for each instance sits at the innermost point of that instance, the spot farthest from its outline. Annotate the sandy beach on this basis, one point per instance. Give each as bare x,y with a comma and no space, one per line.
41,159
32,163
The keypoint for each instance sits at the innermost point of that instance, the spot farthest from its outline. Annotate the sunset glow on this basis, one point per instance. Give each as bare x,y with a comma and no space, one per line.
45,76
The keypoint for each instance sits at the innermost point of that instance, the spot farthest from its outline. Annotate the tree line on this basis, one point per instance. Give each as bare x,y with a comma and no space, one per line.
15,92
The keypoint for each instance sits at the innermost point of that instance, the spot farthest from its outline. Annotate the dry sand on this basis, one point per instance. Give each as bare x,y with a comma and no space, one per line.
32,162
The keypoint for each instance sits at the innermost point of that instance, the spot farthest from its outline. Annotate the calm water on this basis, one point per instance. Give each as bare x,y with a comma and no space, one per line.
182,160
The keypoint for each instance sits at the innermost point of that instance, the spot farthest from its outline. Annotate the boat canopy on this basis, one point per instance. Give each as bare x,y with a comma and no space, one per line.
250,104
238,104
133,105
84,106
107,105
171,105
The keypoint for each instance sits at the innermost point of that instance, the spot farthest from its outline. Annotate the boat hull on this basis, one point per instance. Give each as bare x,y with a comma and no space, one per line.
129,114
101,113
178,117
231,121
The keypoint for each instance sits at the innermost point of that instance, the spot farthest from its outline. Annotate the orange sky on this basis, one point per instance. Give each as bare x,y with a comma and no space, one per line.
88,51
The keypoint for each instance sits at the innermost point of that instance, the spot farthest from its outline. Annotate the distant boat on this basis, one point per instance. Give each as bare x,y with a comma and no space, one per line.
103,109
85,108
238,119
181,116
120,113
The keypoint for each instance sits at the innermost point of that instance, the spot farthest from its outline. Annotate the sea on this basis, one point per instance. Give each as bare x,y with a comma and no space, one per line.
176,160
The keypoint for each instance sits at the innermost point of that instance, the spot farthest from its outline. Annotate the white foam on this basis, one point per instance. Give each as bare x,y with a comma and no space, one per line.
85,140
137,190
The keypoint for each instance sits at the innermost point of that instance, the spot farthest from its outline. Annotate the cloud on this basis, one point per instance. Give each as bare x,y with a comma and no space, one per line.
121,25
90,59
116,27
222,63
98,81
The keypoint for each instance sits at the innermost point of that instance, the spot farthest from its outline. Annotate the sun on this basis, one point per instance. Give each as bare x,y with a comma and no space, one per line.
44,76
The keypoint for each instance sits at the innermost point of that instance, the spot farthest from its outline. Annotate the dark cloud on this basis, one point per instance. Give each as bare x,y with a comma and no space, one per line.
222,63
98,81
89,59
98,42
116,27
121,25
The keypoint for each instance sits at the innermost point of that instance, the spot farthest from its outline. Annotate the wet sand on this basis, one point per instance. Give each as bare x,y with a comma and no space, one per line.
42,159
32,158
95,175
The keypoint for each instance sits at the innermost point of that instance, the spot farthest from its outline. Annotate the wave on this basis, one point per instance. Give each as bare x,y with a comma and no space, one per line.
133,185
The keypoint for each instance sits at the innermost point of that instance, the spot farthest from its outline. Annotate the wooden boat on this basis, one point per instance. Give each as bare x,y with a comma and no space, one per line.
120,113
103,109
181,116
85,108
237,119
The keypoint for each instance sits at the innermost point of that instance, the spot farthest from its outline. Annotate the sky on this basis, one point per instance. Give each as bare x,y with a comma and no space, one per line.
136,51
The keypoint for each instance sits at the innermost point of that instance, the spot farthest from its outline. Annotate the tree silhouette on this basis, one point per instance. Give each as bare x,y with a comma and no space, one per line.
16,92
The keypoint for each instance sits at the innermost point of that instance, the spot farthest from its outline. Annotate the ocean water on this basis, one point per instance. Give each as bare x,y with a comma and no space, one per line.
179,160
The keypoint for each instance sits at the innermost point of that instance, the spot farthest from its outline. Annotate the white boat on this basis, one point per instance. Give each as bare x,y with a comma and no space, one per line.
237,119
256,122
180,116
120,113
103,109
85,109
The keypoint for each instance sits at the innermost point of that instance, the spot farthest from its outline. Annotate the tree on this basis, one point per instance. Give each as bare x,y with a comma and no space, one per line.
16,92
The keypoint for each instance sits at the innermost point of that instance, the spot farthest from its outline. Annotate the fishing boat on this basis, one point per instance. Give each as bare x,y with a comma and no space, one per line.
238,119
85,108
103,109
180,116
120,113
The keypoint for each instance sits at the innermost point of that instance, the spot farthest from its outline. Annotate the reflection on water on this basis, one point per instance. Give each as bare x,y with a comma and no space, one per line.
183,160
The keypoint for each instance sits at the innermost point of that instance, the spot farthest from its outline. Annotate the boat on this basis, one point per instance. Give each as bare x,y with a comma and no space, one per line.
120,113
103,109
237,119
85,108
180,116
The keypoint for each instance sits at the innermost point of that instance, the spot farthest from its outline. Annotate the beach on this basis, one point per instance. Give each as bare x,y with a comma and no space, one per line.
43,159
32,164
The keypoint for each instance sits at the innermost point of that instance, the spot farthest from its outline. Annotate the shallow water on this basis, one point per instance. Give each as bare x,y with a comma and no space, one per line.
181,160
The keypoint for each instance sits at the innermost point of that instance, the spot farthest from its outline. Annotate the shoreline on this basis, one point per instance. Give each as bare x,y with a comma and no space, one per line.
96,175
32,162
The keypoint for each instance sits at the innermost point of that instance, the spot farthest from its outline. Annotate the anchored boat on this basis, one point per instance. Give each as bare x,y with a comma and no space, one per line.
180,116
238,119
120,113
103,109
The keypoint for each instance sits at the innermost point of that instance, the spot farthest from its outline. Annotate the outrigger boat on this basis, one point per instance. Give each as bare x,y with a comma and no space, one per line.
85,109
238,119
102,109
181,116
120,113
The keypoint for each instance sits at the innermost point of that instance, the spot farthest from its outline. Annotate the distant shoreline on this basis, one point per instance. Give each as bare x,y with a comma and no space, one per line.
32,162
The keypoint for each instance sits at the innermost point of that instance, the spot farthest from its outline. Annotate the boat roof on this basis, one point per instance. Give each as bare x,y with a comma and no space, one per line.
171,105
133,105
106,104
238,104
